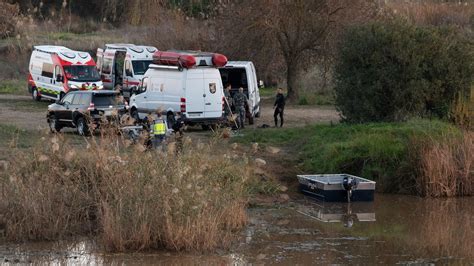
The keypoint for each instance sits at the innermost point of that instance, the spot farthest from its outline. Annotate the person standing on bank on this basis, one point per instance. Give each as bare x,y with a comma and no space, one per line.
228,97
240,100
279,107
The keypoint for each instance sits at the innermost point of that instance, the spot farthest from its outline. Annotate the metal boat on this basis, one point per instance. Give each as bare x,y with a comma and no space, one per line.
337,187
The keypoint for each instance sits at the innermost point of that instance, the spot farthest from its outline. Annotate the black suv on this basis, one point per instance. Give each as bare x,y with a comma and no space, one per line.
80,109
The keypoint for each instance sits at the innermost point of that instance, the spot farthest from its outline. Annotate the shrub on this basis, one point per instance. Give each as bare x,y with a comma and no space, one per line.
130,199
394,71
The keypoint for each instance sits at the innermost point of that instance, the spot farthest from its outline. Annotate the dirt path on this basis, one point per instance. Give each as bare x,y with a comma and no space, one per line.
297,116
25,113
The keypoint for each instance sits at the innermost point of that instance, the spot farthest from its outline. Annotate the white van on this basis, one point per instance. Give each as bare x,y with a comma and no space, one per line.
242,74
54,70
123,64
194,93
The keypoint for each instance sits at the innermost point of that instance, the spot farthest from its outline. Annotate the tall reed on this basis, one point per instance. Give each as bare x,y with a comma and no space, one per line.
446,167
130,198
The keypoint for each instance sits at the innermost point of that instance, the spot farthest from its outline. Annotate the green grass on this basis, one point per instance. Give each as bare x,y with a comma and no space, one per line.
378,151
316,99
16,87
25,105
267,92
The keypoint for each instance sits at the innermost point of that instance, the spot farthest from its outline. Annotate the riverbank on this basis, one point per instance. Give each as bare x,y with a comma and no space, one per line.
419,157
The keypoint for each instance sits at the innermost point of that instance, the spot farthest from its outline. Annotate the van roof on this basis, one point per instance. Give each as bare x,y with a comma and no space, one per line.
52,48
135,51
66,54
237,64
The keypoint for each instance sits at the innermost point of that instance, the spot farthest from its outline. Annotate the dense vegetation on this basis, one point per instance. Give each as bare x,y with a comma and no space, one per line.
130,200
394,71
393,154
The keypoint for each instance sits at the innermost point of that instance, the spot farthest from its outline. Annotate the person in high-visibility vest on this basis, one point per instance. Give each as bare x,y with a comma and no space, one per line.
159,128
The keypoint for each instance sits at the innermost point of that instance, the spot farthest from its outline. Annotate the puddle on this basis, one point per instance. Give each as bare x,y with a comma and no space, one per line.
392,230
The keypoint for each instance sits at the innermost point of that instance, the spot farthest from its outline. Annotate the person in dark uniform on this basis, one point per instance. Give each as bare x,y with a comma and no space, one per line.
240,99
228,97
279,107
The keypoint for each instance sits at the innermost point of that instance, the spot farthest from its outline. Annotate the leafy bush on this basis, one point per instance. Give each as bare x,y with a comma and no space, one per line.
394,71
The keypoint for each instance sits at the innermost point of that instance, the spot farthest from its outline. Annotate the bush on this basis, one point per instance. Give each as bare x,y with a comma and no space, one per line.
394,71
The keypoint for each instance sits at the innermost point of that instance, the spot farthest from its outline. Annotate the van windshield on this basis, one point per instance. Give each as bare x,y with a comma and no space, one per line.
140,66
81,73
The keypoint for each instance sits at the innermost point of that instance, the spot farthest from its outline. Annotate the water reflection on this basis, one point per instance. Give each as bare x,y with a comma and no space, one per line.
346,213
393,229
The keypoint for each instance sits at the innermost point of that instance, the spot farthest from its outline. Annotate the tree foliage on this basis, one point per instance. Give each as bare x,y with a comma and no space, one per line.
394,71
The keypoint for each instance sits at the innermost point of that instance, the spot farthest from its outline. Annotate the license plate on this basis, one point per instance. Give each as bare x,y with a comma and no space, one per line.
108,113
194,114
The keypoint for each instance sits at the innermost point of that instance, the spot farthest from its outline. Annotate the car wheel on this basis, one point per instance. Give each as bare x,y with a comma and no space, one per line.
257,115
54,124
36,95
134,115
250,120
81,126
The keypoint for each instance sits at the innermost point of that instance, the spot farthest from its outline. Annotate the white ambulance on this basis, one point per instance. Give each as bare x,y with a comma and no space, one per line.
242,74
123,64
54,70
182,84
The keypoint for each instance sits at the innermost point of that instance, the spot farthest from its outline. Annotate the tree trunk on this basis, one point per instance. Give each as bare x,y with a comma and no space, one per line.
291,80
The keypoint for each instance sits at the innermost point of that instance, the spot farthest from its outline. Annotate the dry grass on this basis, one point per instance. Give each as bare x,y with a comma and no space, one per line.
129,198
447,167
435,13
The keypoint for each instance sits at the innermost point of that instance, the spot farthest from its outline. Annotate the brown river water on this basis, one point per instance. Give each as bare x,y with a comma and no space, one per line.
393,229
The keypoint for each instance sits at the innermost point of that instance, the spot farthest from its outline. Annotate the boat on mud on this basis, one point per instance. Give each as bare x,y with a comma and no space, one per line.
337,187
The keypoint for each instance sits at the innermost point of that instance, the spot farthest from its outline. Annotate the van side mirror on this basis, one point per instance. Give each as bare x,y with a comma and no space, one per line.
59,78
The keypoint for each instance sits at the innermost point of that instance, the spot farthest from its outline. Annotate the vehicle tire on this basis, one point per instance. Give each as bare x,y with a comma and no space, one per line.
134,115
250,120
54,125
82,127
36,96
257,115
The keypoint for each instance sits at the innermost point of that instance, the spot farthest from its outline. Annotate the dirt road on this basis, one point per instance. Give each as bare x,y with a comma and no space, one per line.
297,115
25,113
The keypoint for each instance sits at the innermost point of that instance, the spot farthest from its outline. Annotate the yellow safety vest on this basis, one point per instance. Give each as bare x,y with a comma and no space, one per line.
159,128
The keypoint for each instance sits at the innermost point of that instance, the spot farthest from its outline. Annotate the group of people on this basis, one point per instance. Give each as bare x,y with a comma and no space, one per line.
239,100
160,127
237,103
